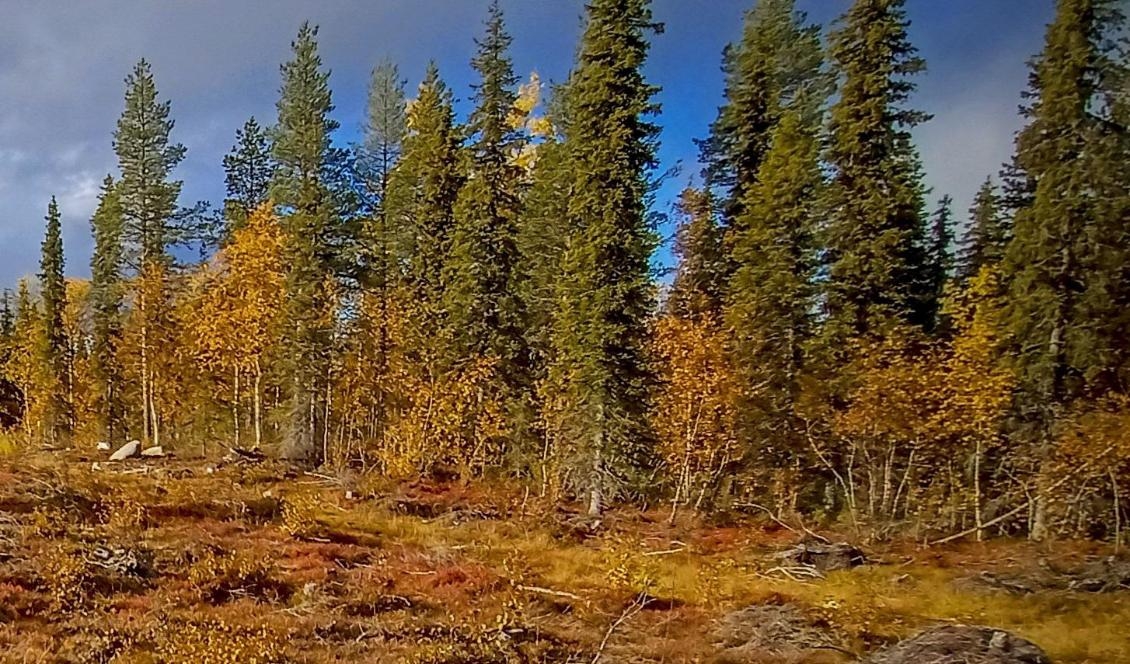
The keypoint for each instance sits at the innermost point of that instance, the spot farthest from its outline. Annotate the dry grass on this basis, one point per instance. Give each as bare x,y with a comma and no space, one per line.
263,562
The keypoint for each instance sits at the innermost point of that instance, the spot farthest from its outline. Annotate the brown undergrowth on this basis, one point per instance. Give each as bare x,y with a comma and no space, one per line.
171,561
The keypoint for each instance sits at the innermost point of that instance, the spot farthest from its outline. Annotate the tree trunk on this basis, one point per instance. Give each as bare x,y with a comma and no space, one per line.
1117,512
596,479
977,516
235,405
257,406
145,426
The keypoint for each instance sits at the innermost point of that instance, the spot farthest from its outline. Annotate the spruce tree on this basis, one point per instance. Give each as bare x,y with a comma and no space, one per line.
939,260
482,301
381,149
106,303
301,149
379,240
7,319
987,235
146,158
422,193
53,292
875,234
599,377
778,64
699,284
148,200
772,296
1065,263
542,237
385,127
248,171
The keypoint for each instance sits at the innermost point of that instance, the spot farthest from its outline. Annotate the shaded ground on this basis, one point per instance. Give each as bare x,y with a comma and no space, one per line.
169,561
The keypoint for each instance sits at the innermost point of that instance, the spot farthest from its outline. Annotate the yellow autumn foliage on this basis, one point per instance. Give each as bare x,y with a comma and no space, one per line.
693,415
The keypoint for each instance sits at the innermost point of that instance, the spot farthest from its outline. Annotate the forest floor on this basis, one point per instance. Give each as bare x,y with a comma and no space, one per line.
171,560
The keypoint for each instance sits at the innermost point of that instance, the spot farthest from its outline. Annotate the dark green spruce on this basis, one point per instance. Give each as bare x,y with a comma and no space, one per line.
422,193
482,300
380,151
771,298
146,158
875,234
53,292
301,149
778,64
106,304
148,200
1066,263
543,235
987,236
939,261
599,375
247,173
700,277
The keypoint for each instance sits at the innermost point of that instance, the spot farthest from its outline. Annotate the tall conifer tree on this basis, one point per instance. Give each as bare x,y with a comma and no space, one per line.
987,236
876,231
543,234
482,299
423,189
380,239
778,64
939,260
700,276
381,149
248,171
53,292
106,300
1064,265
148,200
599,376
771,300
301,149
146,158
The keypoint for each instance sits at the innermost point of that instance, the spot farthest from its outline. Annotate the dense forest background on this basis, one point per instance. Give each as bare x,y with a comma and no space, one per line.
477,296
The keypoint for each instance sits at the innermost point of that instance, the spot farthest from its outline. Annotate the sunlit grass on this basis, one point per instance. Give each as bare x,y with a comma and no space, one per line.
894,602
8,445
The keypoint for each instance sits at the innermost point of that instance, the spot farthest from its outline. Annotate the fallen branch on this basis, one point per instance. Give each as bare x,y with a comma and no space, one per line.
637,605
795,573
549,591
781,523
249,455
1026,505
326,478
665,552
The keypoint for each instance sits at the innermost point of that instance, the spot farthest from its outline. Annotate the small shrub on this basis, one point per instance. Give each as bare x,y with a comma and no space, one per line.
219,579
124,515
47,522
219,642
66,577
300,516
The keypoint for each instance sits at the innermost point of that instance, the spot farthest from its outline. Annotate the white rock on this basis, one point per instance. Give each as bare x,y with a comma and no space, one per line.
103,446
96,466
130,449
157,451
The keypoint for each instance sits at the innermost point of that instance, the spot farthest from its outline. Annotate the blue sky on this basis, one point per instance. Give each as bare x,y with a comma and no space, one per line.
62,64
